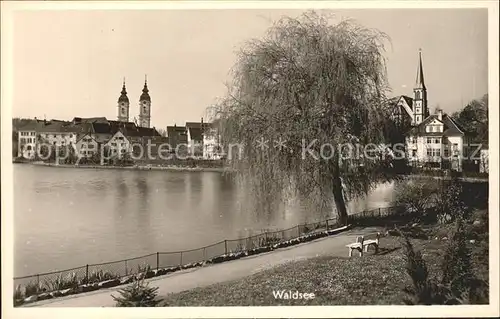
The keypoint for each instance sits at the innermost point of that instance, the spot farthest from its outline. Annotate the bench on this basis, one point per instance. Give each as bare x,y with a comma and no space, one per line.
363,242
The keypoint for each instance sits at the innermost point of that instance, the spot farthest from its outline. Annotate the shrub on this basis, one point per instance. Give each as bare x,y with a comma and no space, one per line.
450,204
99,276
18,293
458,272
138,294
415,197
458,284
424,291
63,282
33,288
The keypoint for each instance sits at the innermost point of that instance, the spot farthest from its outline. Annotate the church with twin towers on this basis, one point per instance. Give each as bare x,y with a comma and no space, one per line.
144,106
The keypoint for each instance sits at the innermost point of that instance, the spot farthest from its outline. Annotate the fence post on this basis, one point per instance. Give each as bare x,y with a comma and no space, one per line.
157,260
204,254
87,273
225,246
298,230
126,269
379,212
37,281
181,260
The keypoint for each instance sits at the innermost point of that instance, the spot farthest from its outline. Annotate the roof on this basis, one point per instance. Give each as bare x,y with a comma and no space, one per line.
137,131
195,133
58,127
84,135
123,96
28,125
175,129
198,125
101,128
419,81
450,127
145,93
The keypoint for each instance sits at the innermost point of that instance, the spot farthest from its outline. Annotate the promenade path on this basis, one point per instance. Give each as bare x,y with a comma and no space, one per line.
333,245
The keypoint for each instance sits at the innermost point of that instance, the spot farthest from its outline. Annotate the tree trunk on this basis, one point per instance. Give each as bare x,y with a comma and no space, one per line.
338,195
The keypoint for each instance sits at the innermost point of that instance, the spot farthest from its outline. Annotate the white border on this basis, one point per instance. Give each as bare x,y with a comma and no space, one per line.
241,312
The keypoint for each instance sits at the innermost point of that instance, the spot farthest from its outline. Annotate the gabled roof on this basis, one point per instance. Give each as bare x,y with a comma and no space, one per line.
450,127
85,135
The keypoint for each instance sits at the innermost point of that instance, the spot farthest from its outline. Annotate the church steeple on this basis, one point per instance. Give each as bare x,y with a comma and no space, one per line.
145,91
419,83
420,108
145,106
123,105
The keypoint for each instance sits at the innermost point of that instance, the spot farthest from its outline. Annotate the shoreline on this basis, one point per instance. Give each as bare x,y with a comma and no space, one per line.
135,167
174,168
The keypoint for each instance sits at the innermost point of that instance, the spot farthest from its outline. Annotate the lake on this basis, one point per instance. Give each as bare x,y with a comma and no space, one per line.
69,217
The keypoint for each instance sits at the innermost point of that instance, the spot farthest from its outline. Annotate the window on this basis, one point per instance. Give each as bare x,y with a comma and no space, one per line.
414,153
429,140
418,118
438,152
429,152
55,136
71,135
417,95
91,146
54,143
437,141
446,152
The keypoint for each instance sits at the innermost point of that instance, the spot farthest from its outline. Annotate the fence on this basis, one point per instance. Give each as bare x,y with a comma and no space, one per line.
94,273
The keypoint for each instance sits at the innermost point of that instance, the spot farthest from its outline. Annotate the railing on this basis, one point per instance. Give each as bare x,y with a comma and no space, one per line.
94,273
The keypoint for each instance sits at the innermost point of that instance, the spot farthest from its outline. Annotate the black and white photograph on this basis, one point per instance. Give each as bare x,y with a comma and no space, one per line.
194,157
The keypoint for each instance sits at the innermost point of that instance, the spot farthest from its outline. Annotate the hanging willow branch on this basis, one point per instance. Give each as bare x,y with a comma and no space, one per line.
307,80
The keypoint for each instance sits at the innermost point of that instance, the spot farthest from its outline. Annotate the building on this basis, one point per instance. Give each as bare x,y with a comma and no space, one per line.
211,143
177,137
26,135
87,146
128,139
144,106
434,141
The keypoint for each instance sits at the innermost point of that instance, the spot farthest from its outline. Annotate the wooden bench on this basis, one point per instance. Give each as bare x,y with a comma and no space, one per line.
363,242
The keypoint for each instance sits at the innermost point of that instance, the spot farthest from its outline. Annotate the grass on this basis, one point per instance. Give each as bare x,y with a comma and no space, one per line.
369,280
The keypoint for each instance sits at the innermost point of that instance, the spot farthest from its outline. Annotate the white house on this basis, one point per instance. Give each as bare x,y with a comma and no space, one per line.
118,144
436,140
57,133
211,144
27,140
87,146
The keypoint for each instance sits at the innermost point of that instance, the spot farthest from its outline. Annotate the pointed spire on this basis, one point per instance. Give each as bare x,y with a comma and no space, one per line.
123,97
145,91
419,83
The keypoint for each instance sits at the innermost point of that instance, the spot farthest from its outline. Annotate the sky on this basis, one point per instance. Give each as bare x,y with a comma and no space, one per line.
72,63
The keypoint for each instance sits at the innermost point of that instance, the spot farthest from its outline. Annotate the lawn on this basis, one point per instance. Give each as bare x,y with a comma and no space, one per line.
371,279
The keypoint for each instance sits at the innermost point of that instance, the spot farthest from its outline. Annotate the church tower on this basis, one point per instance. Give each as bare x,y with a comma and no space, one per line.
123,105
145,106
420,108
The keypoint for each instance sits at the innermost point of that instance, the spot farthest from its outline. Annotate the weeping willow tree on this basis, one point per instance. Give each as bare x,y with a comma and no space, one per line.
307,107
